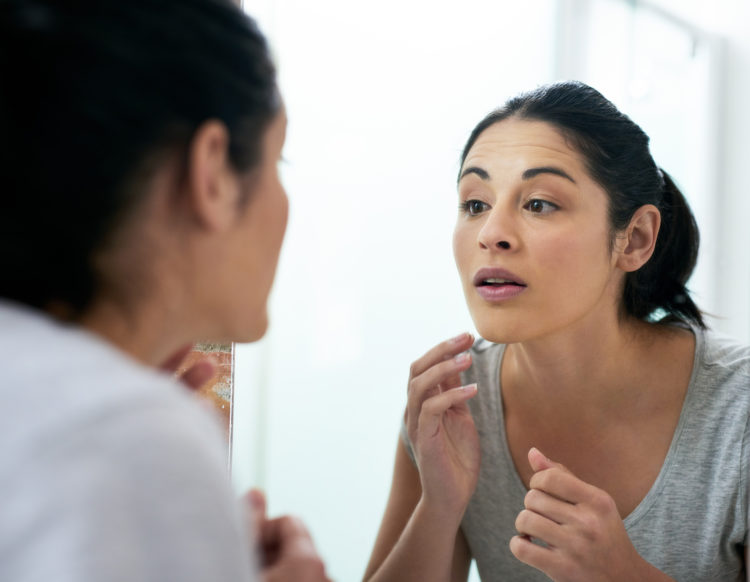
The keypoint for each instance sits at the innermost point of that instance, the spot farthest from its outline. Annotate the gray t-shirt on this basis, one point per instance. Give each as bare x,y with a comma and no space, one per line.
692,524
110,470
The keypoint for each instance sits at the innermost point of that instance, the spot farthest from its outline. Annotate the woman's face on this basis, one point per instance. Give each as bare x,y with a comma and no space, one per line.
532,237
259,233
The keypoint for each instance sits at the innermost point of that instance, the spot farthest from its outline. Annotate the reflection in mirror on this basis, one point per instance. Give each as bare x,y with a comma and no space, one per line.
218,390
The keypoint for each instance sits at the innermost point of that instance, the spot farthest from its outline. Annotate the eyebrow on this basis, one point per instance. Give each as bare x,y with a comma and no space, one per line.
474,170
534,172
527,175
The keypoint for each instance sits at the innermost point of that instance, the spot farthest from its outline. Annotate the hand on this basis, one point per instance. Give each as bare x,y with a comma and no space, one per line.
584,534
440,426
284,548
196,375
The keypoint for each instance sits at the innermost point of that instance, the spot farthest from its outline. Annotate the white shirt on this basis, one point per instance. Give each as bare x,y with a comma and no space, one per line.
110,470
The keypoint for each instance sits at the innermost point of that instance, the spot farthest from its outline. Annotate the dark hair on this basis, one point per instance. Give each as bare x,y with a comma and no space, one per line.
616,153
93,91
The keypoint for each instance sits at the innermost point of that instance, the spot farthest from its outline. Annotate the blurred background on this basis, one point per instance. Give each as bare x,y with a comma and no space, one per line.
380,98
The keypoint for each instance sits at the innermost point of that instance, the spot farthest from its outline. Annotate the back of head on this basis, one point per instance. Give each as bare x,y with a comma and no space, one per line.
93,93
616,153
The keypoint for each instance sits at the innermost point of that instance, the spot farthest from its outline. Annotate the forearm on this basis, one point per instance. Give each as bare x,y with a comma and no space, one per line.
424,551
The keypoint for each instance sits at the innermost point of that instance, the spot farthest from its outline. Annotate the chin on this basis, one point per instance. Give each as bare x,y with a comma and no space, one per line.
501,330
255,331
244,331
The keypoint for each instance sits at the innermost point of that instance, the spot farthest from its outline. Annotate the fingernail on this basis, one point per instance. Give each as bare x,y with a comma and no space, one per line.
462,358
470,387
541,453
459,338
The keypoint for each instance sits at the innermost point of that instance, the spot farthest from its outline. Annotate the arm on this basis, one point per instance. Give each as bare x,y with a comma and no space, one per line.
419,537
415,545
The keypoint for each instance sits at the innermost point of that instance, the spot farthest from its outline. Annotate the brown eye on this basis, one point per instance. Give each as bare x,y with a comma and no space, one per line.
538,206
473,207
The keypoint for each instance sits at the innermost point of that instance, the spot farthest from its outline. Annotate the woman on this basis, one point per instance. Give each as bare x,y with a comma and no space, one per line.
600,433
141,210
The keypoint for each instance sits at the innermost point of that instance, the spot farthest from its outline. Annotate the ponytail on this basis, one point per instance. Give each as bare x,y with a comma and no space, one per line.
661,283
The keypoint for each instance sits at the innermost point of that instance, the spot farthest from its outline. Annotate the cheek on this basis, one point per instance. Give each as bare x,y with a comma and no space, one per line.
284,213
462,238
576,257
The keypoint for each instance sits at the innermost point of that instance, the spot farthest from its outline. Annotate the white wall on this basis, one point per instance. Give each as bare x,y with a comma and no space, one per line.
731,20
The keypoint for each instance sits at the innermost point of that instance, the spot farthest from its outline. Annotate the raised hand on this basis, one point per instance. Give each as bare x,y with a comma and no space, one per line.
284,548
583,533
441,428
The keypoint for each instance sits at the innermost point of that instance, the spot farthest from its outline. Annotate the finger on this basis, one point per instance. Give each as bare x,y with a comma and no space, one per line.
173,362
442,351
439,375
562,484
536,556
295,550
428,384
431,415
290,535
199,373
539,462
554,509
255,500
552,480
539,527
255,506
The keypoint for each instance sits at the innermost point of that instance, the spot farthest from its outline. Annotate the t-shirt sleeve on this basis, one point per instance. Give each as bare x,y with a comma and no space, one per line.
141,494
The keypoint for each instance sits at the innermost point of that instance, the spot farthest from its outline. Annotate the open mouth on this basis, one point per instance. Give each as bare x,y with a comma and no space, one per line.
497,282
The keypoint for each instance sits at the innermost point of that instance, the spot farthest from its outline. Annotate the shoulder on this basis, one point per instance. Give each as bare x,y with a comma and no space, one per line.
69,398
106,460
718,401
58,379
726,352
723,362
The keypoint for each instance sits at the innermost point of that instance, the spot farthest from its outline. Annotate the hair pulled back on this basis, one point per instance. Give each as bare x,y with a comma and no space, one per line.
93,92
616,154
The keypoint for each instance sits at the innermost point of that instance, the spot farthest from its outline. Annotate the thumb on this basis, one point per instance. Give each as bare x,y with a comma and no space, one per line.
539,462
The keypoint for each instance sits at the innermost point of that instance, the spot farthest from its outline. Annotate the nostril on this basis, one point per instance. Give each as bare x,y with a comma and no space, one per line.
503,244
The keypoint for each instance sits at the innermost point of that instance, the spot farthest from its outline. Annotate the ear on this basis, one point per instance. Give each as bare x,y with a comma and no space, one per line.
213,187
636,245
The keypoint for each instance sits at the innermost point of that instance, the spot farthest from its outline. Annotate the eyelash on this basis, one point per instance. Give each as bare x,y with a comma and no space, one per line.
466,207
551,205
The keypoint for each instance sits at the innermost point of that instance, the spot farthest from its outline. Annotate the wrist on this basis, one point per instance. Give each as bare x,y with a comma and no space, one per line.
436,513
646,572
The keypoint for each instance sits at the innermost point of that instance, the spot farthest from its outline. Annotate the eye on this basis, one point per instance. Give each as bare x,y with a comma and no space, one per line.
538,206
473,207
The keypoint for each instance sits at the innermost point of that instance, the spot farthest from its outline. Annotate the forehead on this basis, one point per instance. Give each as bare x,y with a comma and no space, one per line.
519,141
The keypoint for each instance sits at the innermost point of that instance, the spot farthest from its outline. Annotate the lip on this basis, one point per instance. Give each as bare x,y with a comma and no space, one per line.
498,293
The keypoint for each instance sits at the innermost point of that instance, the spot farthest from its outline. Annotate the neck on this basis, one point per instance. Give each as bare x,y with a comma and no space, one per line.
593,363
148,331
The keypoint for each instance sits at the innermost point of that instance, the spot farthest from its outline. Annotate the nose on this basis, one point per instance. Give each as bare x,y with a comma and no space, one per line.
497,233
